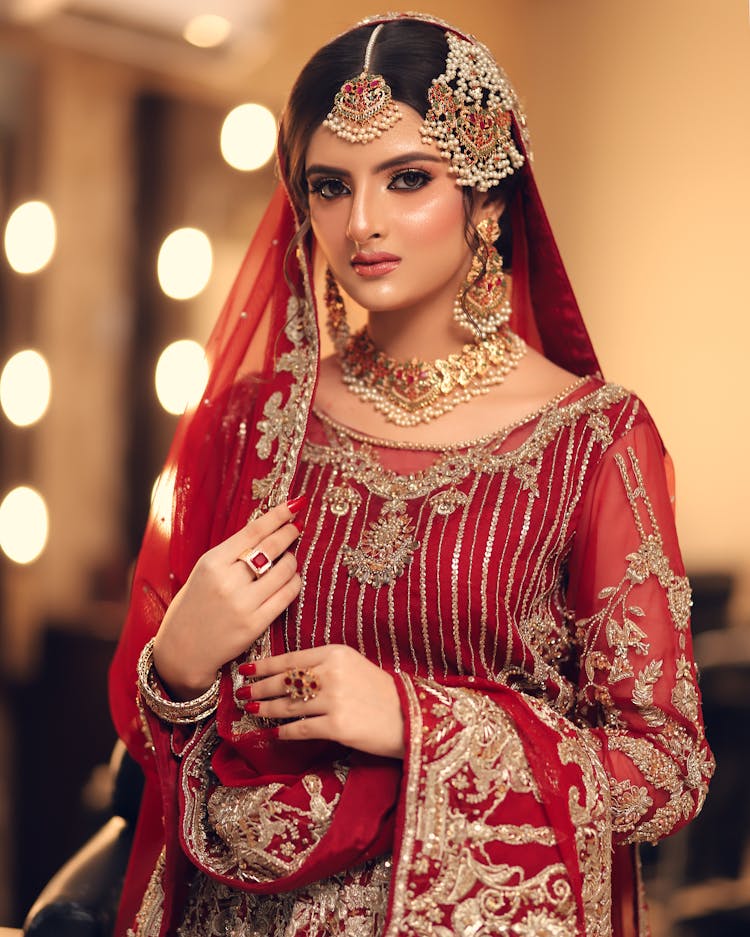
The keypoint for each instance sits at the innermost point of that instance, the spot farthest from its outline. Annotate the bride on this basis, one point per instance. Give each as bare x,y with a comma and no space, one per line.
409,652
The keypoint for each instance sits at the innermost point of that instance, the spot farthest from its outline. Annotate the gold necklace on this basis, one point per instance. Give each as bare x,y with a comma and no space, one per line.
411,392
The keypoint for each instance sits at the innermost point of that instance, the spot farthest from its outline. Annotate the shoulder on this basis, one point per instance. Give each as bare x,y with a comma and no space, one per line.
615,410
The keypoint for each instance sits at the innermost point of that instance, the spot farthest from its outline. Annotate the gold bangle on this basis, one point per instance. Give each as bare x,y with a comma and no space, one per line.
168,710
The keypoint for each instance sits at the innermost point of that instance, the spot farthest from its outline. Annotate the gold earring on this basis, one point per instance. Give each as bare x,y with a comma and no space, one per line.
482,304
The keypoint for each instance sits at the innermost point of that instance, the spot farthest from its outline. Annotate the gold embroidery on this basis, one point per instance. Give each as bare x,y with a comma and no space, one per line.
341,498
285,423
149,917
352,456
353,903
452,804
446,502
247,832
674,762
385,548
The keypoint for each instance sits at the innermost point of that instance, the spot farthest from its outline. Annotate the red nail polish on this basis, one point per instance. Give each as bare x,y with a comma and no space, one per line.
296,504
245,692
252,707
248,670
299,523
274,732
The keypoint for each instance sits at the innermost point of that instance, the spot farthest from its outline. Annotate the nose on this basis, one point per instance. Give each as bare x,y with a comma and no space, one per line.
365,215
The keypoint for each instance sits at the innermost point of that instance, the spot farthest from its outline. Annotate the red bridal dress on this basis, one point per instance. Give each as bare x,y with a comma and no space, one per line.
524,589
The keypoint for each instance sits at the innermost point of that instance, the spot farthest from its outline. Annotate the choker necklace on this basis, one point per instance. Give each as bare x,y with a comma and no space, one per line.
408,393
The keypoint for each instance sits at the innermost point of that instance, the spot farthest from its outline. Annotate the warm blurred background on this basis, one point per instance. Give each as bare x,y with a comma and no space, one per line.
111,115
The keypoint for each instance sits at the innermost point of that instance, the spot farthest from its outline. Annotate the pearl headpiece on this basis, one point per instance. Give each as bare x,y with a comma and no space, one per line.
472,105
470,116
364,107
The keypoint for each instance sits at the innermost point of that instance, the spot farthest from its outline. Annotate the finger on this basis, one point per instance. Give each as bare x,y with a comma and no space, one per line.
256,530
265,586
285,708
300,729
268,549
277,602
278,664
277,686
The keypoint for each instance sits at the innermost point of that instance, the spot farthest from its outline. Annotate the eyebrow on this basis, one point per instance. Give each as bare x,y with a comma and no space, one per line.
403,160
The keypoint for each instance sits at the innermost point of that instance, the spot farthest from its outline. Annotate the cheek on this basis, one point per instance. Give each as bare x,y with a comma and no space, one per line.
438,221
328,227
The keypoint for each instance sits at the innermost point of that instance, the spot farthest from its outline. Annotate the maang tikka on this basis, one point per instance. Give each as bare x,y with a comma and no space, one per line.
364,107
482,305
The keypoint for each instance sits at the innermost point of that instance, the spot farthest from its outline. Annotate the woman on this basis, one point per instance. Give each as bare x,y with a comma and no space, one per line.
446,686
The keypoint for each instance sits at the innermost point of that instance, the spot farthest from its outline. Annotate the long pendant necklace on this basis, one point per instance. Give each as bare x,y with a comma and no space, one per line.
408,393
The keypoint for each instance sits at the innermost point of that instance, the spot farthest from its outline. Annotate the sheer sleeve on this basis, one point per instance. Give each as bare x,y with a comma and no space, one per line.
637,686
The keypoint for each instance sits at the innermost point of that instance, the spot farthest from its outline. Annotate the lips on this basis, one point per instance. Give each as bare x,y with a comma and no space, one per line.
376,264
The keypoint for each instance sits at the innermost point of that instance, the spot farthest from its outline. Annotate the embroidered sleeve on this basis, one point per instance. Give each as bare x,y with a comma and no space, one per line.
637,685
504,817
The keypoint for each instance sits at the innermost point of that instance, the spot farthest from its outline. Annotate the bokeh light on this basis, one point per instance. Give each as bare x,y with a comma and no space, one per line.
25,387
185,263
30,237
181,375
248,137
207,30
24,525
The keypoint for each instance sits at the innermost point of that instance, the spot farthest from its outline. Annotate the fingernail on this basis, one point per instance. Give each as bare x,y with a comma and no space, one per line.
248,670
299,523
252,707
296,504
245,692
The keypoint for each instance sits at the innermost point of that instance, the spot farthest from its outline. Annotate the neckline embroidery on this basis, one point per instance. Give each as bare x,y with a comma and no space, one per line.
497,434
388,542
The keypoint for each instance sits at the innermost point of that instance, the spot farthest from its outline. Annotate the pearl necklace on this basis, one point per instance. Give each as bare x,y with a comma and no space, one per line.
408,393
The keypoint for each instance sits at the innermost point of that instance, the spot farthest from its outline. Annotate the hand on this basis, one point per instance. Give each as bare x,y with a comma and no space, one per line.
224,607
356,703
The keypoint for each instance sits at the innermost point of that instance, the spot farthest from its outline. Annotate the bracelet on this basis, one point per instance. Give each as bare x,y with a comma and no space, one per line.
169,711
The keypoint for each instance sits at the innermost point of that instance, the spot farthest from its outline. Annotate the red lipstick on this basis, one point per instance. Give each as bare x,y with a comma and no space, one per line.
375,264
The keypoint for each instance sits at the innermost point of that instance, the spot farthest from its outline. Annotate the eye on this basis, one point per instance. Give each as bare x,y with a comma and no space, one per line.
328,188
410,179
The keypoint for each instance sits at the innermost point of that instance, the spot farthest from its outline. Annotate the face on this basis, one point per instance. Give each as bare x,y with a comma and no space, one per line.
388,217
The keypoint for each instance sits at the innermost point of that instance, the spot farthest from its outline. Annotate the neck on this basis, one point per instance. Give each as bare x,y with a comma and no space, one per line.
427,333
404,335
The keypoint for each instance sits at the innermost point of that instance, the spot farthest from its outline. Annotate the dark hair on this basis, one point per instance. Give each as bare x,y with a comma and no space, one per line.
409,54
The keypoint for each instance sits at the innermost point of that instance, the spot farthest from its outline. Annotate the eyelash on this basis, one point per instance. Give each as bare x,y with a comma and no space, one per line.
318,187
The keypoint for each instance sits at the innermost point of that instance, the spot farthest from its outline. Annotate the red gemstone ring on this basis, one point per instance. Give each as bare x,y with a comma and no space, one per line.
301,684
256,561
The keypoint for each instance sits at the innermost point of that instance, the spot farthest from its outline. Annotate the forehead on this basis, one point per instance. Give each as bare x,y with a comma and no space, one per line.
327,149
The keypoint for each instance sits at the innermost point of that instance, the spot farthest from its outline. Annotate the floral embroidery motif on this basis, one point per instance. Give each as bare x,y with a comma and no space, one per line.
149,917
254,834
284,423
341,498
385,548
674,762
467,772
446,502
354,904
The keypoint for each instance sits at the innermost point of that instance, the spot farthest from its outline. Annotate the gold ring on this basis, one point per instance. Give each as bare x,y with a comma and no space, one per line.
301,684
256,561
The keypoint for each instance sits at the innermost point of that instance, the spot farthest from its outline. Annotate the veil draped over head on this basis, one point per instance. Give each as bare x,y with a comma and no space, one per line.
234,456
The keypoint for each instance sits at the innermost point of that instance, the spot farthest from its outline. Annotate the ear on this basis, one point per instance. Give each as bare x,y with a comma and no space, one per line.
486,207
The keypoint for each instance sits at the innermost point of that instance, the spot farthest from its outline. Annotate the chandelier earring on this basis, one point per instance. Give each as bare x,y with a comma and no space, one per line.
482,305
